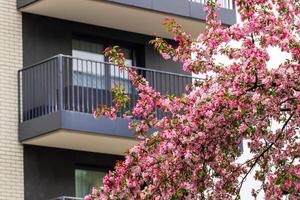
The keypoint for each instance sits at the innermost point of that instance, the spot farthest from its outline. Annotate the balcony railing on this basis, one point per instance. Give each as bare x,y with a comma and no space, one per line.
80,85
228,4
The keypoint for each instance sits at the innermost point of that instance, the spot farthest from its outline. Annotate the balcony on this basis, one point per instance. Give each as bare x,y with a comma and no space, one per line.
139,16
57,97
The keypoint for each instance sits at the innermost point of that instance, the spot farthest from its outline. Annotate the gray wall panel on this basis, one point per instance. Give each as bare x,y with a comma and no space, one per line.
44,37
49,172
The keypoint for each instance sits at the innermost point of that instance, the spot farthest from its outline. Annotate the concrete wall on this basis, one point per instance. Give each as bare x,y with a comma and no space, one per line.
11,151
50,172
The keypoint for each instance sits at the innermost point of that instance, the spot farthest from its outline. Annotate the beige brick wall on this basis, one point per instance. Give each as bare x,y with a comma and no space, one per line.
11,151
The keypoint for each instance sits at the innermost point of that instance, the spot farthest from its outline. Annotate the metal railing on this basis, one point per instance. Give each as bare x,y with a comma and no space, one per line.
74,84
228,4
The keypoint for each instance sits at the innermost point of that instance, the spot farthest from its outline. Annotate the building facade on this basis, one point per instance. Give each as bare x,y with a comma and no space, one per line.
53,74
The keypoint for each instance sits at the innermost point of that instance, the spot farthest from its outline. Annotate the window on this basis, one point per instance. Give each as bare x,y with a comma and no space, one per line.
120,78
86,179
89,73
90,70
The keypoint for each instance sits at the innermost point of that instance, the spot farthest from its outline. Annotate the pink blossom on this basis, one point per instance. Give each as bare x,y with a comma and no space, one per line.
195,147
88,197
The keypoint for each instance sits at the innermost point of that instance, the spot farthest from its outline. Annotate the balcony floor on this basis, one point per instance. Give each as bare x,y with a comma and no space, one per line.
78,131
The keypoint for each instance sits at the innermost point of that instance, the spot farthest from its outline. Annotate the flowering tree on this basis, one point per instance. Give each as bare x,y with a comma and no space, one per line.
194,153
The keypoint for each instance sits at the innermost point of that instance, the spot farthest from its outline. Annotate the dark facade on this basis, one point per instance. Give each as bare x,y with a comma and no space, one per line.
44,37
50,172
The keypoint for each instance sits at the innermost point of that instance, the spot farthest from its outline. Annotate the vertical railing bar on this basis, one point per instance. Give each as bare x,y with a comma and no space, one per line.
170,91
114,85
87,86
178,84
72,82
25,100
154,86
37,90
132,95
161,82
166,84
54,77
107,81
34,93
60,83
31,93
30,100
39,85
46,74
56,86
174,84
170,84
92,86
82,86
101,85
19,98
119,76
22,103
42,89
97,93
23,86
68,82
77,84
51,80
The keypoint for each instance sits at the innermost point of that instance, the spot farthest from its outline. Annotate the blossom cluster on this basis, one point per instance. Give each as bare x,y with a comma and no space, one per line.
193,154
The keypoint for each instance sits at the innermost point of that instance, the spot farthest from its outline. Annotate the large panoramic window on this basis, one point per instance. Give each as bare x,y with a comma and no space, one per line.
86,179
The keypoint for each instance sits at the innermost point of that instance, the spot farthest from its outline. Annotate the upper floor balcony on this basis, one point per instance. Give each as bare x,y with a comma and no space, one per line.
139,16
58,95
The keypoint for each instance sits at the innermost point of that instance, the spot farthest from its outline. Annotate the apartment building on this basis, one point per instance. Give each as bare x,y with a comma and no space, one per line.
53,74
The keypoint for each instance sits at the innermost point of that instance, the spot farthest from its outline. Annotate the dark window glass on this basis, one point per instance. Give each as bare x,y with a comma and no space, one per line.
97,74
85,180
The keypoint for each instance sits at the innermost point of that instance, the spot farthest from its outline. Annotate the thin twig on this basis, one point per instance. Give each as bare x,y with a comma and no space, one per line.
266,150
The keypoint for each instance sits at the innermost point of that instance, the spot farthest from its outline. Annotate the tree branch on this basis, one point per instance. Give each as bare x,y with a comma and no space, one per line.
266,150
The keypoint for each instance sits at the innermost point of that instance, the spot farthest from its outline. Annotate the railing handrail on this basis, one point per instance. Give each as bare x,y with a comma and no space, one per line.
105,63
39,63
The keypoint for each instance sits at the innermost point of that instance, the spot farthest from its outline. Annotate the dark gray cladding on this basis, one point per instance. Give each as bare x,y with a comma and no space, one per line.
44,37
184,8
50,172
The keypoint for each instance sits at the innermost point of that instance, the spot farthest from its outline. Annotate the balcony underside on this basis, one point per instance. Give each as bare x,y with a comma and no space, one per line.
78,131
143,17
